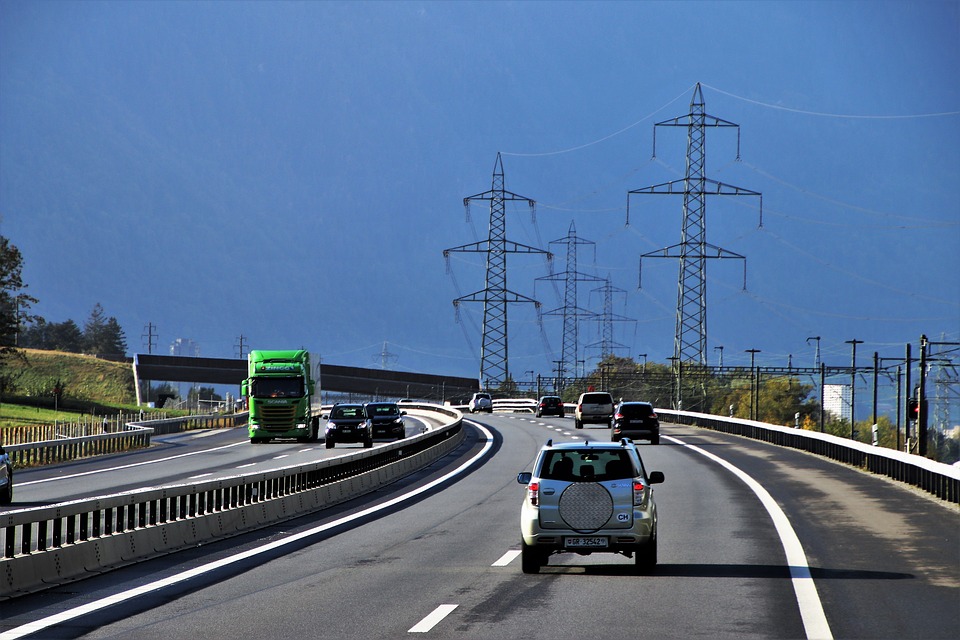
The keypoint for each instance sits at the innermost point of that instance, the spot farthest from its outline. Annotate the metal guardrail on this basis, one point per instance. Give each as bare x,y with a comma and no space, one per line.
55,544
942,480
133,435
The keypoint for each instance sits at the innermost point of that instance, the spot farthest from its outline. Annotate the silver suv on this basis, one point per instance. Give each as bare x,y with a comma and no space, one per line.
588,497
481,402
595,407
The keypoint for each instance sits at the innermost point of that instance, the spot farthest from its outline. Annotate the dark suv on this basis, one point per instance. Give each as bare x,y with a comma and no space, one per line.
348,423
550,405
386,419
637,421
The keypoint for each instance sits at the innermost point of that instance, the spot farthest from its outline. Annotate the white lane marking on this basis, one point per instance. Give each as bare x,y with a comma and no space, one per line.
244,466
281,457
202,475
109,601
811,609
129,466
506,558
431,620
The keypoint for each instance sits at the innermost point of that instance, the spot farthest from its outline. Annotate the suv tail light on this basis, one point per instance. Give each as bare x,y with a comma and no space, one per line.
639,491
533,493
653,415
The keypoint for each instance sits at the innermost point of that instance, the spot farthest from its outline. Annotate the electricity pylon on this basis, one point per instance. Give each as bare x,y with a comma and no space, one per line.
494,366
606,320
690,338
570,311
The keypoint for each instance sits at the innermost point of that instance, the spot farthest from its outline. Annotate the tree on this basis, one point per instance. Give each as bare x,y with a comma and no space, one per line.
103,335
14,303
65,336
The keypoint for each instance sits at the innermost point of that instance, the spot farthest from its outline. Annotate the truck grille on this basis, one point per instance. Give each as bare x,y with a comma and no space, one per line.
278,418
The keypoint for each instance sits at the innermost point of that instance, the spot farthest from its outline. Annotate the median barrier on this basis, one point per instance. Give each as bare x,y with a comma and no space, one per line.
51,545
941,480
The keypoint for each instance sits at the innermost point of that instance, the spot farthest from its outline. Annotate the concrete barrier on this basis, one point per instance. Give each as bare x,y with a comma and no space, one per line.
52,545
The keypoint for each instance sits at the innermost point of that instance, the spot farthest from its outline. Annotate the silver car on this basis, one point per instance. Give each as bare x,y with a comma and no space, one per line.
588,497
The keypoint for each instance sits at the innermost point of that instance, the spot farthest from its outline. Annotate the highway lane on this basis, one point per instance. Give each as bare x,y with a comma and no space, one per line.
885,560
192,456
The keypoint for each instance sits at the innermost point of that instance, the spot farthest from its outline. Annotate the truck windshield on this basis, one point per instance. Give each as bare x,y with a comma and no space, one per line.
277,388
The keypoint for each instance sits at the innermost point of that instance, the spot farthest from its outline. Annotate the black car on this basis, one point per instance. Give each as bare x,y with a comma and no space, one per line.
637,421
386,419
348,423
550,406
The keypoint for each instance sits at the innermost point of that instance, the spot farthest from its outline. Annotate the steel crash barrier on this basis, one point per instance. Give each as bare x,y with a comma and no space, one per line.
93,440
937,478
56,544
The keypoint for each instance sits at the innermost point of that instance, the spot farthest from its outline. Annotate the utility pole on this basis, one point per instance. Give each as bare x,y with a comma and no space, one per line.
570,311
753,394
690,339
494,364
720,349
853,389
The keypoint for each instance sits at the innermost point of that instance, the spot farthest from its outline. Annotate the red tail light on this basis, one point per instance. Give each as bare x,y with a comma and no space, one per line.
638,492
653,415
533,492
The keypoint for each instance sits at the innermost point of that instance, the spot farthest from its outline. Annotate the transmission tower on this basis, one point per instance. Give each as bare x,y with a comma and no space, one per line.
690,339
149,336
606,320
570,311
495,296
386,358
241,347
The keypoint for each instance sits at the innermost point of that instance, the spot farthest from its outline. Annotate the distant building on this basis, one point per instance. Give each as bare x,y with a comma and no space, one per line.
836,400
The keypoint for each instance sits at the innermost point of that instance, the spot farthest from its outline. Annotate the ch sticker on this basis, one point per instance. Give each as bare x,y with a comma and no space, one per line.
623,517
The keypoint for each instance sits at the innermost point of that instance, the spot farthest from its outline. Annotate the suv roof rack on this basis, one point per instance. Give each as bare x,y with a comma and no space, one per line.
625,441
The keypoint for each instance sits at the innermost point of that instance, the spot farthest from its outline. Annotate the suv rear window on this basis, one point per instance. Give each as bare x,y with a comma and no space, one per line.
636,410
588,465
597,398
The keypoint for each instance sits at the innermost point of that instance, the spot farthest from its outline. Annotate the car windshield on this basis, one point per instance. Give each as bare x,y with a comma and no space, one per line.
347,412
588,465
277,387
382,410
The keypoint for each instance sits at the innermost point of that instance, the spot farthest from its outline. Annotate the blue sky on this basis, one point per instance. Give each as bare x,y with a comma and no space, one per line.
292,172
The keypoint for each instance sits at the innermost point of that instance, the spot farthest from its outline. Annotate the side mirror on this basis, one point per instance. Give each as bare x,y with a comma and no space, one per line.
656,477
524,477
243,389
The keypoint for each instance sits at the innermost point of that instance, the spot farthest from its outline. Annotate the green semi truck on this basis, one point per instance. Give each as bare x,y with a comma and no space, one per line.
279,391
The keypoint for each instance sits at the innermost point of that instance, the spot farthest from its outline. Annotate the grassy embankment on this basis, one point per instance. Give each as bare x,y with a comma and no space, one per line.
90,387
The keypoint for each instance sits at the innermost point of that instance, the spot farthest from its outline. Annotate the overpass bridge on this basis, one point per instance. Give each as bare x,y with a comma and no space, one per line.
330,377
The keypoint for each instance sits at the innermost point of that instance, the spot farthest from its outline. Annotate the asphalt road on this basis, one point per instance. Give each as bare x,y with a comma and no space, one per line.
885,560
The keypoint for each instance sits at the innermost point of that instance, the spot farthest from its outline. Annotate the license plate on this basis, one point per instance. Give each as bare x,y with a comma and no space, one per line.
581,543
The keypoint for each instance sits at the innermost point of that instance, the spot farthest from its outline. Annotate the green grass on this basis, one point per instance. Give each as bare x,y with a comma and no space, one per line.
90,386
